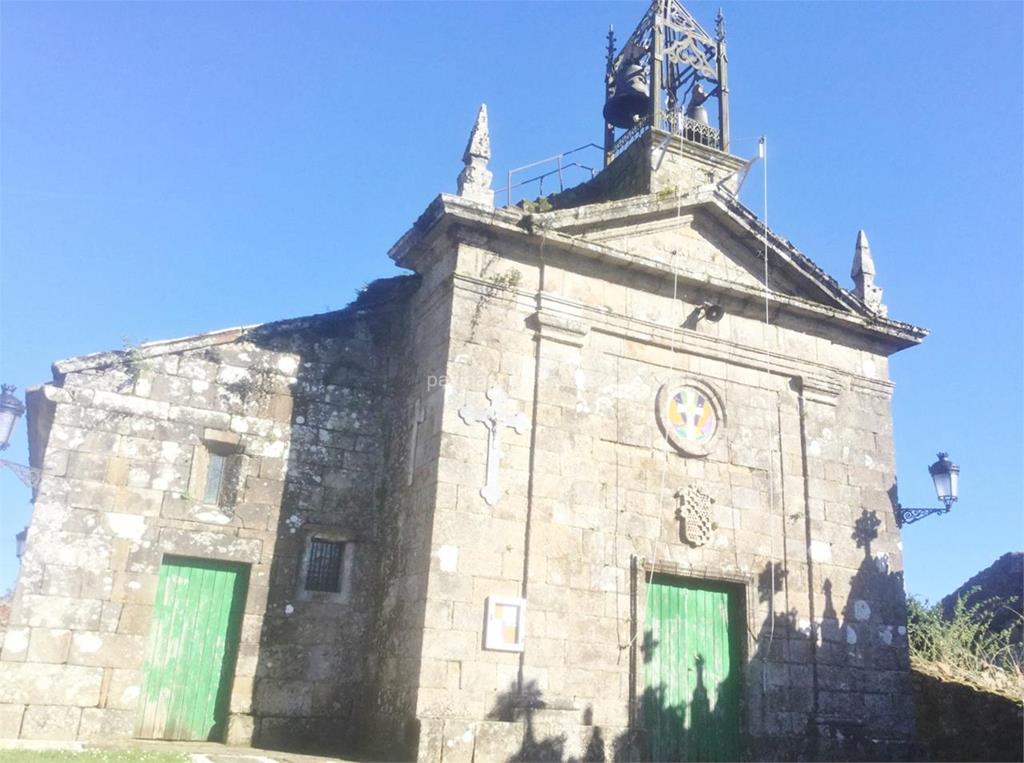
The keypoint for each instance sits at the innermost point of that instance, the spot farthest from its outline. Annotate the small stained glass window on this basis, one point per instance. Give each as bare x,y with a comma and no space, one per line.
324,565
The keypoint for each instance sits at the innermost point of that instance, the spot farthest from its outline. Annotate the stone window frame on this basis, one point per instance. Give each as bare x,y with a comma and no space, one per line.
228,445
344,593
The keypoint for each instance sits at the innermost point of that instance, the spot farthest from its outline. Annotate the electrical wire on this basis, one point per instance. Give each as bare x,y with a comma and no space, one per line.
762,149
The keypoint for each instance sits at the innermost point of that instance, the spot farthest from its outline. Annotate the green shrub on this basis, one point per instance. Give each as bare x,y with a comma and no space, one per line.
966,642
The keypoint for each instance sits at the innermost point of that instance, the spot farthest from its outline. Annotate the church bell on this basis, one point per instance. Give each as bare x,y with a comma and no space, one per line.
695,109
698,114
631,100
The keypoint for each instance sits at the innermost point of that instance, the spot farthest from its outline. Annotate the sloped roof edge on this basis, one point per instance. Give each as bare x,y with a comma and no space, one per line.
656,206
374,295
557,225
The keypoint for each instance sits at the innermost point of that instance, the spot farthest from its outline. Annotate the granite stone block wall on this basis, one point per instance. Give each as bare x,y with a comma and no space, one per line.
304,406
801,479
487,428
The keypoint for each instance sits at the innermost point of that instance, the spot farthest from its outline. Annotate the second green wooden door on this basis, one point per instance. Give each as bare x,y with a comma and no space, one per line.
692,664
193,644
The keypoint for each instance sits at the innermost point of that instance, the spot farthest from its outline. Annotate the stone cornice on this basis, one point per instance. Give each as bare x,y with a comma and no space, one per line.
446,210
442,211
726,351
571,322
551,317
820,389
706,155
560,321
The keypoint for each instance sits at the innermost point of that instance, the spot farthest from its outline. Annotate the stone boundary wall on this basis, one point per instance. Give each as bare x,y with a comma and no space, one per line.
959,722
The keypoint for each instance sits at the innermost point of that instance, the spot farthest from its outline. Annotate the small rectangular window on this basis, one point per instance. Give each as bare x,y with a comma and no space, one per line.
324,565
214,477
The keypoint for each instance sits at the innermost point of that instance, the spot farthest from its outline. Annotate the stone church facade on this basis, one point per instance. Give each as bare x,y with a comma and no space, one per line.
580,486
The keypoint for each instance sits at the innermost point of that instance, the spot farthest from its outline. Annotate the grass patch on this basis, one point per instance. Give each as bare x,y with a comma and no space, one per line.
91,756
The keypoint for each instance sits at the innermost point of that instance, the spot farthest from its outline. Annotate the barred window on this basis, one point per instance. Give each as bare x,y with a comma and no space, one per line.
324,565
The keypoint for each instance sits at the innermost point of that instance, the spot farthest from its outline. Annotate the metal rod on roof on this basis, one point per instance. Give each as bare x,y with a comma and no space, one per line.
535,178
509,186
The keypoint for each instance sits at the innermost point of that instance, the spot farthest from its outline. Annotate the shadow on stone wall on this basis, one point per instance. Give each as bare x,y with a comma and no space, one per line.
837,690
298,704
548,734
693,729
316,684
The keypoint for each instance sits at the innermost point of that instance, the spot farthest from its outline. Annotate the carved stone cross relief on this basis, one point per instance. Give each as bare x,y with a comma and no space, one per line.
495,419
418,417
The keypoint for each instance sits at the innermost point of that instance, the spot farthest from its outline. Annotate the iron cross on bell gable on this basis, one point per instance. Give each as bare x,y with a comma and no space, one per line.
495,419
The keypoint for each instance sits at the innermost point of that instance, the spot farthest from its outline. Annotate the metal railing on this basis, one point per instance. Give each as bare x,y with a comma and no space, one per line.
698,132
560,169
629,136
675,122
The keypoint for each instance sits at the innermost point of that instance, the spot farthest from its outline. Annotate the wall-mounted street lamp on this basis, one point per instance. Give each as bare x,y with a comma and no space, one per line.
12,409
946,476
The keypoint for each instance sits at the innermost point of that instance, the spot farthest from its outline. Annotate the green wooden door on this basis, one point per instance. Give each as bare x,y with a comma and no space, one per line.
193,643
692,665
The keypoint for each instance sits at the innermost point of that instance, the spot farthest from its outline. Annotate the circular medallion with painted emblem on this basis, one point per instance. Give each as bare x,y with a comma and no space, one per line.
690,415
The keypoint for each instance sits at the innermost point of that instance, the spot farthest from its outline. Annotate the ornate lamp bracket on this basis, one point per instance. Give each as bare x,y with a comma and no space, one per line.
906,515
30,476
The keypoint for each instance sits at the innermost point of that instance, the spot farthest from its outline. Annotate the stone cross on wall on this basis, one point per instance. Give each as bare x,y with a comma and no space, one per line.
475,178
495,419
418,416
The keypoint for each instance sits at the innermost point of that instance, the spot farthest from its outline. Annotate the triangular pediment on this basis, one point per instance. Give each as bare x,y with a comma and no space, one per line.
708,238
699,246
721,249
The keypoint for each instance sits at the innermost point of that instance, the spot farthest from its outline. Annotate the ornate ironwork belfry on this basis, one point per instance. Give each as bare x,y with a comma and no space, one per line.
661,78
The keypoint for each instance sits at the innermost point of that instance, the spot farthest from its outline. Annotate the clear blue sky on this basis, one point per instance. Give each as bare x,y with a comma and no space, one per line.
174,168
